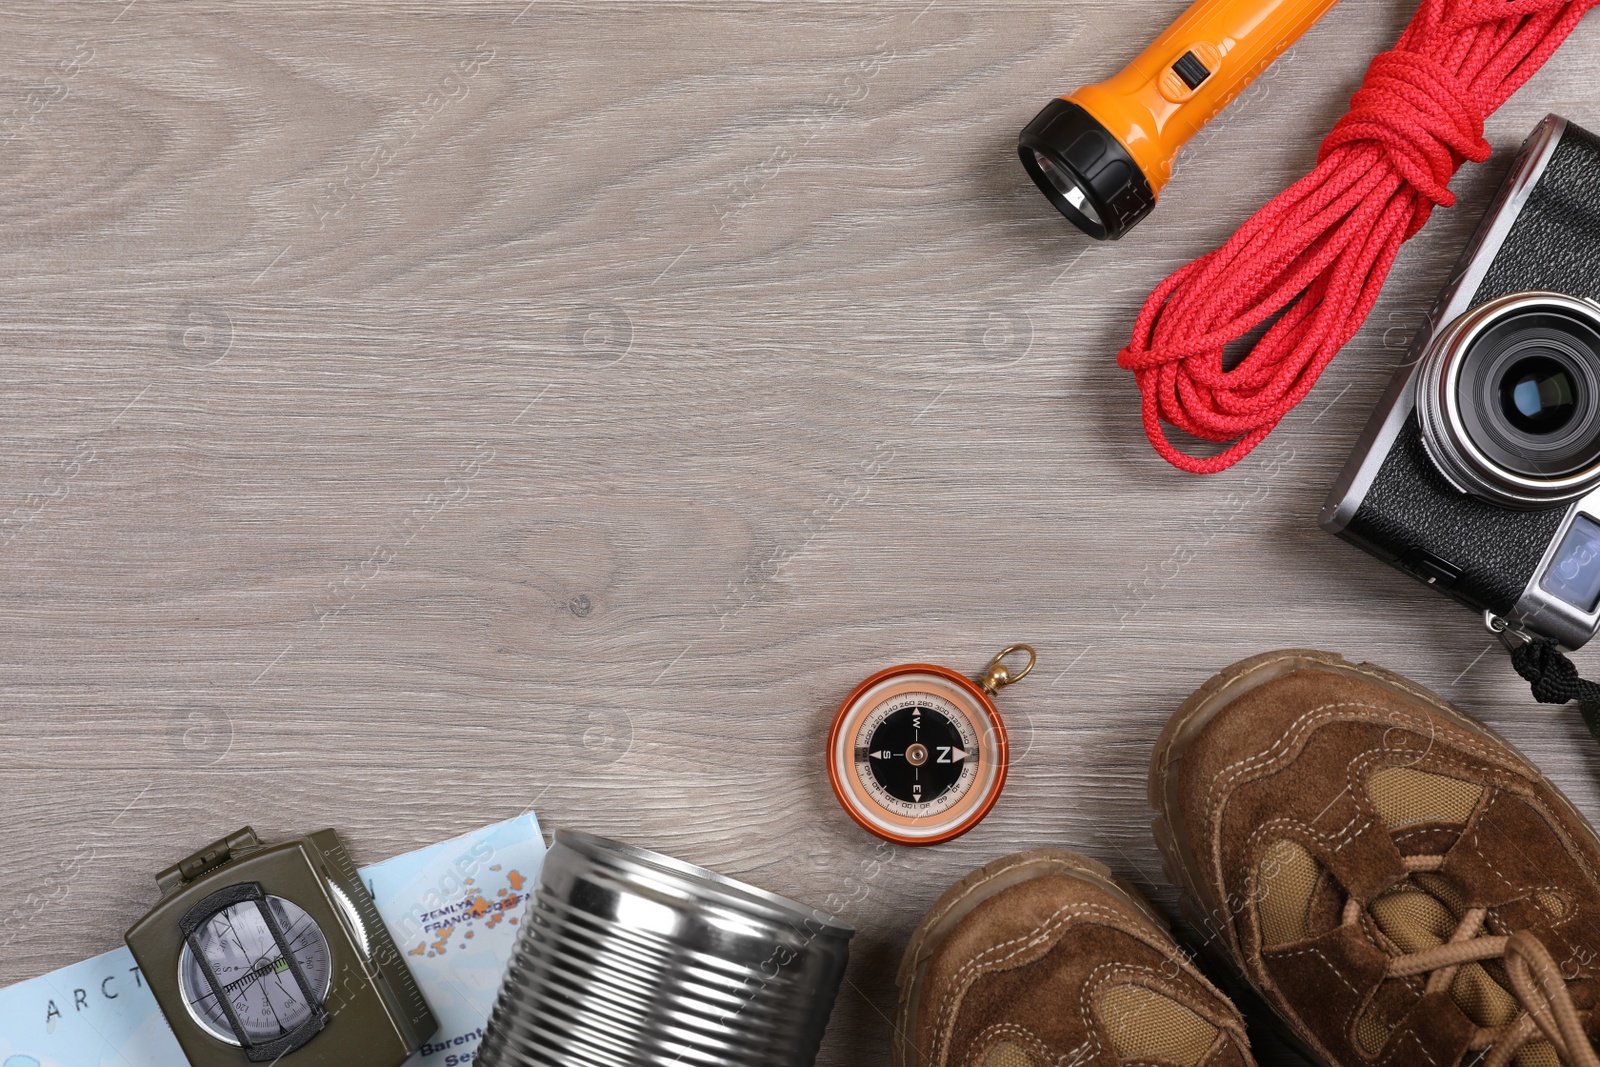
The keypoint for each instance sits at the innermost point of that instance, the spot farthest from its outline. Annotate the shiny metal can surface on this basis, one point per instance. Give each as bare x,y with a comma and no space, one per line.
629,957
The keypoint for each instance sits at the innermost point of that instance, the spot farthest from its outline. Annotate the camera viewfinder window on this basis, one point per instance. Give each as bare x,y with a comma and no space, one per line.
1574,573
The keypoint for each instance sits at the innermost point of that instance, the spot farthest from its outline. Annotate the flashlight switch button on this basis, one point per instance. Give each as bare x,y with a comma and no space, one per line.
1191,70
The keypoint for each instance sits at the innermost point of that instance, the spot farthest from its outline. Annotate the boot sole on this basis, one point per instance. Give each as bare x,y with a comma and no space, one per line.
958,902
1193,715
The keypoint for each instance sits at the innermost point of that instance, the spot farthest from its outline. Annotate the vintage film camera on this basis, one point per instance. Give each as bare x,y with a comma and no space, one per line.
1479,471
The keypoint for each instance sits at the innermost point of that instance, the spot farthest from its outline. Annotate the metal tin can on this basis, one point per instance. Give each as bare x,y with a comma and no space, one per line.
629,957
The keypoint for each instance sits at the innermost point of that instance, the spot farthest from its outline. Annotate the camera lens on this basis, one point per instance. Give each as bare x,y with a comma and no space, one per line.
1538,395
1528,390
1509,399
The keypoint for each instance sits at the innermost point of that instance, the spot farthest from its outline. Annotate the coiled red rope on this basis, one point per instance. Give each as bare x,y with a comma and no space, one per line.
1320,251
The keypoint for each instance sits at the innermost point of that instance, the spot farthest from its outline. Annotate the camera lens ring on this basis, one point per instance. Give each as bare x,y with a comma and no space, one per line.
1527,432
1518,458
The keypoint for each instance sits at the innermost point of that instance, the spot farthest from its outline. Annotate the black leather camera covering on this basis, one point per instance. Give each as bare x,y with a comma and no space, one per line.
1479,552
1555,243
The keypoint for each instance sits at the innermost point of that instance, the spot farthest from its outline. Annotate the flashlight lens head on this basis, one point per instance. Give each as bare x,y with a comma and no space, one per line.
1085,171
1068,187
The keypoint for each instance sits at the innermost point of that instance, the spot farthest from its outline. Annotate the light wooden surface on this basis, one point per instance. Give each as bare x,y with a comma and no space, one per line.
414,414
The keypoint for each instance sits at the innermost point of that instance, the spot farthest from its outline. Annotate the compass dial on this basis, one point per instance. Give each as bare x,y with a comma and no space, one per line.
250,966
917,754
921,754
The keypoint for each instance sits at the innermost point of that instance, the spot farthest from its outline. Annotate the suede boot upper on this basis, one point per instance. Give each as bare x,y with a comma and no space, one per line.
1056,970
1345,828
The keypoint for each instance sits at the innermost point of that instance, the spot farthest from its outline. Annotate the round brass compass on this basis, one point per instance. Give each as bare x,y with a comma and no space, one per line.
918,753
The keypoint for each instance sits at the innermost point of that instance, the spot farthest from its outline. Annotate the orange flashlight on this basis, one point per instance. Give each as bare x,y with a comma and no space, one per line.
1102,153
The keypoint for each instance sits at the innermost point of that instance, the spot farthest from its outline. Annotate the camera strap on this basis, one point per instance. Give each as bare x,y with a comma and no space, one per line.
1554,678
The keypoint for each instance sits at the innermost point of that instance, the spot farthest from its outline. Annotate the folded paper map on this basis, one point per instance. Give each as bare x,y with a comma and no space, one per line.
453,908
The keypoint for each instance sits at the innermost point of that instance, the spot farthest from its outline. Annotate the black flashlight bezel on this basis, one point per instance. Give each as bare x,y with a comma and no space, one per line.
1080,146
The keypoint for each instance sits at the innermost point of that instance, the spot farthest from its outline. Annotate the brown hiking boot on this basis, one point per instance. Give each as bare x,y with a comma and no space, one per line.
1391,876
1043,959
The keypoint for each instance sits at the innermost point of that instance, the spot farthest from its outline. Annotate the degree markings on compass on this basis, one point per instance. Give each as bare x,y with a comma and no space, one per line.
290,1000
275,1017
305,924
227,920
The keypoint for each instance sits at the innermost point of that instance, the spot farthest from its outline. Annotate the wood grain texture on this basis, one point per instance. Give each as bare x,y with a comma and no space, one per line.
413,414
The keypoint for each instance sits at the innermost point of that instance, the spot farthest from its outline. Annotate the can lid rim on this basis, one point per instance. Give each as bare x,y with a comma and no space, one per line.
617,853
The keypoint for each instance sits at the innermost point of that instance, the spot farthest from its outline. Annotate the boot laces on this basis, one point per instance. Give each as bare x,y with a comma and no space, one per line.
1536,982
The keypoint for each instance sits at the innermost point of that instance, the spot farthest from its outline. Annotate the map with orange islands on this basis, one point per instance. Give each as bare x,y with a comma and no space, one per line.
466,915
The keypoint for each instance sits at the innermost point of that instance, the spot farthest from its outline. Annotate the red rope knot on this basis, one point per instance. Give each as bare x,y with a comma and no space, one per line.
1421,118
1317,255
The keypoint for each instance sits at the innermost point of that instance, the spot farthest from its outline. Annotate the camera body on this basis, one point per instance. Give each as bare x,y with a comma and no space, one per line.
1479,470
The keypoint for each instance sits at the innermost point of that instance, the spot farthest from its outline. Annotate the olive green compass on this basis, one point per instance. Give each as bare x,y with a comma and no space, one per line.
276,954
